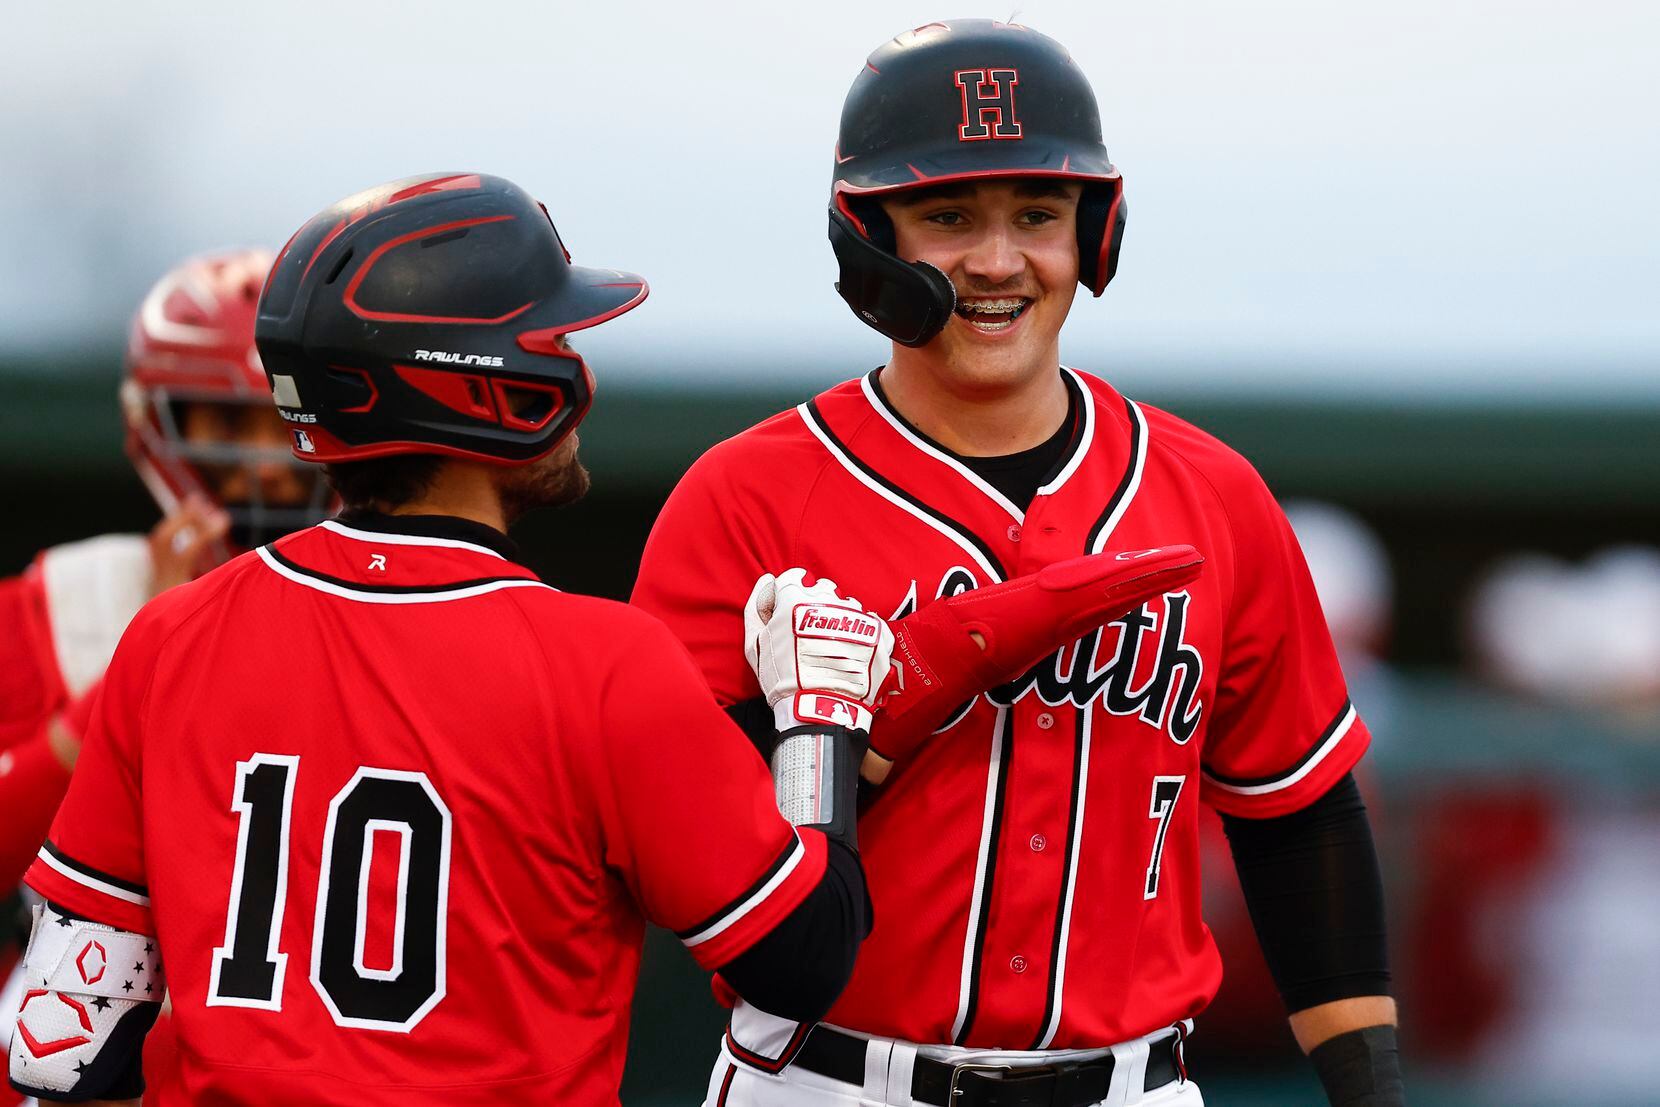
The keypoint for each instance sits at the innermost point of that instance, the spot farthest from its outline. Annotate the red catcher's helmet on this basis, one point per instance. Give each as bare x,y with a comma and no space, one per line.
192,341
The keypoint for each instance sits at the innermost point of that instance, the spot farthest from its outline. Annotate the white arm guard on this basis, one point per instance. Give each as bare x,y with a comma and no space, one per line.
820,660
91,993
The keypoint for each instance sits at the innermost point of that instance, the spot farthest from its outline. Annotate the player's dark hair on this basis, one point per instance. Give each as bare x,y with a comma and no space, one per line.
383,482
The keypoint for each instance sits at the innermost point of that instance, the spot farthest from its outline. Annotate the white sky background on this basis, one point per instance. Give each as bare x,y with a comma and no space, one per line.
1420,198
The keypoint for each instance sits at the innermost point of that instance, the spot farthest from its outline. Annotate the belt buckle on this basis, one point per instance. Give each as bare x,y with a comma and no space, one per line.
969,1066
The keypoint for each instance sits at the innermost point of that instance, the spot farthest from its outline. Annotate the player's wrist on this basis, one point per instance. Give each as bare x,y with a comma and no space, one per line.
65,745
813,708
1361,1068
815,773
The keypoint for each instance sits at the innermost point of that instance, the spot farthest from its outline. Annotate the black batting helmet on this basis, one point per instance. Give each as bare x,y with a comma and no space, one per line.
961,100
425,316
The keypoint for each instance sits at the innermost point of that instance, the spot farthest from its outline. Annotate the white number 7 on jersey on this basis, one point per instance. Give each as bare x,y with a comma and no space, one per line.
1166,791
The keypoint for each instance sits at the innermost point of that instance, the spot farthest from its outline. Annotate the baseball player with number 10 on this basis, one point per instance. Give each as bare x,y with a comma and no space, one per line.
1033,865
401,842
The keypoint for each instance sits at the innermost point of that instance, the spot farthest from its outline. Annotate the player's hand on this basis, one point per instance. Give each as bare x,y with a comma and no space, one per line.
819,656
956,648
65,729
184,544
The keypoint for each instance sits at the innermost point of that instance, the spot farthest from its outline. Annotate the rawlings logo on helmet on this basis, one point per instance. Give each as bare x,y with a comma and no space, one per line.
457,359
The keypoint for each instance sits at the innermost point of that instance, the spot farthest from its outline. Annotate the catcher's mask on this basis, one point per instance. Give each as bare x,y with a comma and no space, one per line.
191,345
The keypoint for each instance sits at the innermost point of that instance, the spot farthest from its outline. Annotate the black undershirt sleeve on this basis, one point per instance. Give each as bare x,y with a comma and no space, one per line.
800,966
754,718
1315,894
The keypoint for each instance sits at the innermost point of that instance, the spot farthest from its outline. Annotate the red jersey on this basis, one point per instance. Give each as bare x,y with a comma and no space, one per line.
397,811
59,622
1035,868
61,619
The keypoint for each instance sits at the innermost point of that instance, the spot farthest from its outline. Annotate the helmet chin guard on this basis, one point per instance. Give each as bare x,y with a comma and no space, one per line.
910,302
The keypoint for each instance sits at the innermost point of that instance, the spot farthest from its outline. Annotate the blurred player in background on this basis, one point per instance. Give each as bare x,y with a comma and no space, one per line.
208,444
1605,654
206,440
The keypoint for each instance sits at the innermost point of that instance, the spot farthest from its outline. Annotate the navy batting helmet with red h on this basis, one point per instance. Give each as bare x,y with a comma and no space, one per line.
967,99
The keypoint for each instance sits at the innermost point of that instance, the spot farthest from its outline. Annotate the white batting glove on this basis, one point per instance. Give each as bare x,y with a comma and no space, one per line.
819,657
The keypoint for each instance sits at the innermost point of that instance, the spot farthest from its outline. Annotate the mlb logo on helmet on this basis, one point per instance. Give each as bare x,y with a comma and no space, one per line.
303,442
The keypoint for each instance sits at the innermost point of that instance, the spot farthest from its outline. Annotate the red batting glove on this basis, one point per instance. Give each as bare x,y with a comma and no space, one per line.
939,665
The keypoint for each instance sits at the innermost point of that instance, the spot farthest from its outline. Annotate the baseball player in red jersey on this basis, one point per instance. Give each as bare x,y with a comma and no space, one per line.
1034,867
202,433
380,809
385,814
203,436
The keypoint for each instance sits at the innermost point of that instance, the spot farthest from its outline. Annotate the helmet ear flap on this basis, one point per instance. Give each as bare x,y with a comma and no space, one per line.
909,302
1101,213
873,219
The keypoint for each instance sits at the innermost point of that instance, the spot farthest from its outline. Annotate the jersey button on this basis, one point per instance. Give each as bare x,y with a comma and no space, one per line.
1017,963
1045,721
1038,842
1014,532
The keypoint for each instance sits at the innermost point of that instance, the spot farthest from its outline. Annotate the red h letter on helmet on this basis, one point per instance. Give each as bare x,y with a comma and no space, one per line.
987,92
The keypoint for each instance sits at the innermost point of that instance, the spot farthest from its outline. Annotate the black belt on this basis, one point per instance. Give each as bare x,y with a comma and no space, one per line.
972,1084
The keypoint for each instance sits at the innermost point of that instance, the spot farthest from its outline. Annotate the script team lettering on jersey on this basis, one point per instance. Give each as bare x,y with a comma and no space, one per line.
1087,671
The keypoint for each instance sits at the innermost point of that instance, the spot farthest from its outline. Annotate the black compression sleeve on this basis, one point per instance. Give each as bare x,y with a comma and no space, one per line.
800,966
1361,1068
754,718
1315,895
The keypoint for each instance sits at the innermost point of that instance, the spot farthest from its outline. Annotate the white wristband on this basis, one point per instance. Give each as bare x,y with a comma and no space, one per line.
820,709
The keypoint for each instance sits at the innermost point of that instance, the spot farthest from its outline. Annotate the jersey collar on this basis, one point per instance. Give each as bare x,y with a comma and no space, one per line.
444,529
1083,436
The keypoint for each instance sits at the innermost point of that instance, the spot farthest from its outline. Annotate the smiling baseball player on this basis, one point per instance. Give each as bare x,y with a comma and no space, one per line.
403,842
1034,866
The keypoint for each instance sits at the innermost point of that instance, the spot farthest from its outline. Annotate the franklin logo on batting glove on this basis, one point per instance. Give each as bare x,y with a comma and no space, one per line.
817,621
813,641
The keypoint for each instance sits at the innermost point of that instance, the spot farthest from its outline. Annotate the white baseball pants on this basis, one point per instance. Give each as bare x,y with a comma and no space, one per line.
888,1067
